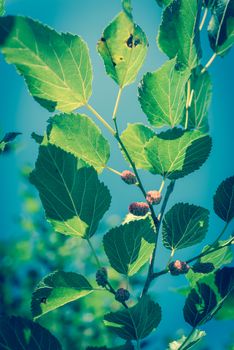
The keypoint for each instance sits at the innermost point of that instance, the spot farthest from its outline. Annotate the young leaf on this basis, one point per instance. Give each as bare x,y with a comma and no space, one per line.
58,289
193,340
56,67
179,33
221,26
202,91
224,200
21,334
79,135
218,258
73,197
123,48
135,138
129,246
128,323
176,153
199,305
184,225
162,94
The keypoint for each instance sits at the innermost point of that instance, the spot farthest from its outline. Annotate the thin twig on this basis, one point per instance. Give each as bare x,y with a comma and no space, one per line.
113,170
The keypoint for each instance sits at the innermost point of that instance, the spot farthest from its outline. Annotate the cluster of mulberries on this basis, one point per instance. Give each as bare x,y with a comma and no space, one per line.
152,197
178,267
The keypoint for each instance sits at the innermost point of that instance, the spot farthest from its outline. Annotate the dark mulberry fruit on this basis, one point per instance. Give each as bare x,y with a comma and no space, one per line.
122,295
178,268
101,277
139,208
128,177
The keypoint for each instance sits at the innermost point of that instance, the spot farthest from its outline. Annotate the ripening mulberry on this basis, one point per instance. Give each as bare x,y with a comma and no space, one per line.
139,208
178,268
128,177
101,277
153,197
122,295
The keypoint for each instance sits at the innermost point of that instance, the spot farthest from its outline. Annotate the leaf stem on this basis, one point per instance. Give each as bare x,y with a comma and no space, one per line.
187,103
162,185
187,338
99,117
209,63
117,103
113,170
94,254
138,344
205,13
150,275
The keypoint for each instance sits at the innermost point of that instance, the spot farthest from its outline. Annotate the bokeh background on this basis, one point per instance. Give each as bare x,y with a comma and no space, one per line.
28,247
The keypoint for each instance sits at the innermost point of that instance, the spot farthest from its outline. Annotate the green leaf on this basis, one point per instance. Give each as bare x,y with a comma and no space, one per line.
224,280
22,334
56,67
193,340
58,289
199,305
218,258
123,48
184,225
162,94
2,7
179,33
221,26
79,135
128,324
8,137
73,197
135,138
127,7
163,2
129,246
176,153
127,346
227,310
198,111
224,200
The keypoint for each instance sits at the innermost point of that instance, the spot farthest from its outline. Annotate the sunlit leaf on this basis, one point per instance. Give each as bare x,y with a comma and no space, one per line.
135,137
184,225
129,246
21,334
128,323
56,67
123,47
179,34
58,289
73,197
176,153
162,94
79,135
202,91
